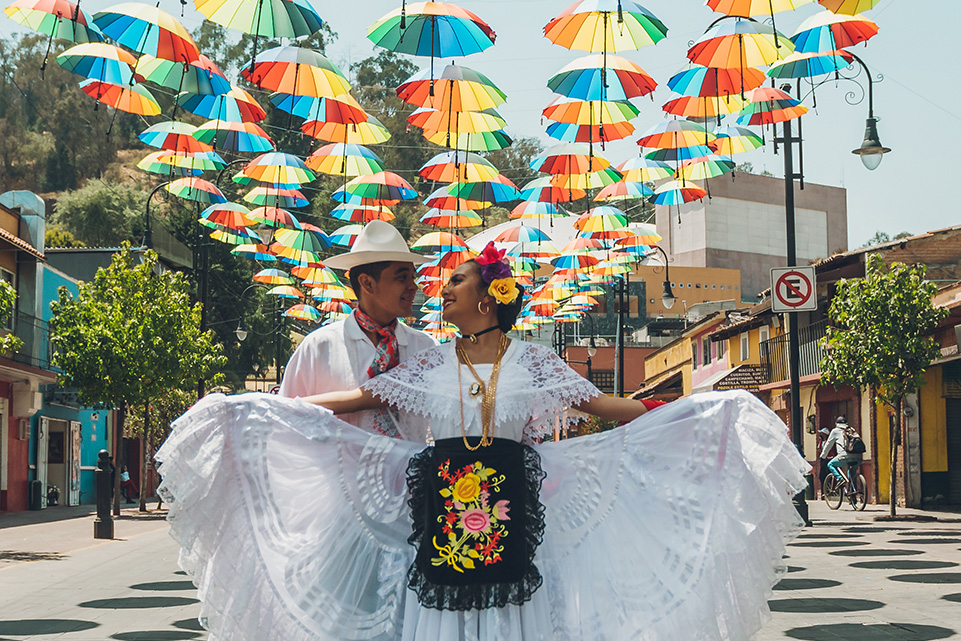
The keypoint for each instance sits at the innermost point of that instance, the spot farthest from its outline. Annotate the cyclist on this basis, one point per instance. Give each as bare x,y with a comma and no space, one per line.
841,436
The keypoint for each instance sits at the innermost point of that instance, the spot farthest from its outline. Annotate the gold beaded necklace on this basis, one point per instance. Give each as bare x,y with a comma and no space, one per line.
489,391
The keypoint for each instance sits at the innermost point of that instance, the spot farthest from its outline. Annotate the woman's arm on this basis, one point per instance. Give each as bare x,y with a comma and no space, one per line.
353,400
610,408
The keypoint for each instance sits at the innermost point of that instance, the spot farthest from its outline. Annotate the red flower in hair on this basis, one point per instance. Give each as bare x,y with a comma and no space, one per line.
491,255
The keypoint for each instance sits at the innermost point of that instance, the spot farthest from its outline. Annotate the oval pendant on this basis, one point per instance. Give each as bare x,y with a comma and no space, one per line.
474,389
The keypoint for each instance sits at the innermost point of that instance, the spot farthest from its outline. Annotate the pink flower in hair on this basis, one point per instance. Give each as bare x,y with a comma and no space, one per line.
491,255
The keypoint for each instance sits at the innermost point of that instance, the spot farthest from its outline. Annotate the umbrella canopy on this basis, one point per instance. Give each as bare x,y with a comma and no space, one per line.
748,8
370,132
198,161
240,137
520,234
808,65
59,19
267,18
537,210
147,29
569,158
254,251
601,219
704,168
160,162
234,236
276,196
677,193
196,189
848,7
298,71
361,214
226,216
498,190
346,235
481,141
236,106
457,121
644,170
605,25
451,219
458,166
624,190
273,277
739,44
567,132
306,312
733,139
285,291
342,109
589,112
340,159
439,241
698,80
679,154
300,246
133,99
674,134
599,77
826,31
99,61
441,198
436,29
200,77
457,89
768,106
385,187
279,168
274,217
703,107
541,190
173,136
591,180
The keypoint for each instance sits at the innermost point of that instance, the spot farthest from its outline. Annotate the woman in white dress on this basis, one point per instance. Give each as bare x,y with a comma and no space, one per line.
296,526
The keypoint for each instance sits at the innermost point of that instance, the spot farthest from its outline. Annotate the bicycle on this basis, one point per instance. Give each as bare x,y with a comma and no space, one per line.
835,490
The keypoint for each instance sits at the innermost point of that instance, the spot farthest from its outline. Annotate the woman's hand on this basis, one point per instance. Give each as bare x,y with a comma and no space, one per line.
354,400
610,408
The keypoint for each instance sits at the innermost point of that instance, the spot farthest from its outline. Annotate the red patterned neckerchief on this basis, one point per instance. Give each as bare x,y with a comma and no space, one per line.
387,354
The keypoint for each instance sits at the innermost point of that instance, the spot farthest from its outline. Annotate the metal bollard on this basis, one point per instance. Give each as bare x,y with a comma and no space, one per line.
103,524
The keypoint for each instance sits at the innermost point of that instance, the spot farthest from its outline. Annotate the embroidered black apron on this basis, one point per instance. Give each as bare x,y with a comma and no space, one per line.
477,522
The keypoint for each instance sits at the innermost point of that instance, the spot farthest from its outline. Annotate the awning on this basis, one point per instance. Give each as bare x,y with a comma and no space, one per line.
671,384
707,384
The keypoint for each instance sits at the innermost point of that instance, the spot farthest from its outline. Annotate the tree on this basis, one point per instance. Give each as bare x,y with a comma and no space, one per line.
129,337
101,215
8,299
880,337
880,237
57,237
748,168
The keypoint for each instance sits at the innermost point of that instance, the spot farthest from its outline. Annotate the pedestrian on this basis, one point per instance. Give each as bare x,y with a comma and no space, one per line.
345,354
127,487
822,437
338,533
838,442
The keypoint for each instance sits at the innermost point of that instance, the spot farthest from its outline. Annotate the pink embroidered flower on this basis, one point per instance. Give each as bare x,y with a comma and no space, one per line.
500,511
491,255
475,521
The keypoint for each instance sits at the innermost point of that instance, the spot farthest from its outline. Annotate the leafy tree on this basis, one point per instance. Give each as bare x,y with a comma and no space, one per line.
130,336
58,237
101,215
880,337
748,168
8,299
881,237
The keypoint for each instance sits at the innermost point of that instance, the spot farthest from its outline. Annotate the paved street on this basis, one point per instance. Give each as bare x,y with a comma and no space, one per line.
850,578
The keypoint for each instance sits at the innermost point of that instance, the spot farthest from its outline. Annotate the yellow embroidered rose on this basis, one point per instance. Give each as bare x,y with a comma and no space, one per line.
467,488
504,290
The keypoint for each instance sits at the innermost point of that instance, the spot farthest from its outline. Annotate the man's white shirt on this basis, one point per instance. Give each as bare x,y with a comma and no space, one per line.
336,358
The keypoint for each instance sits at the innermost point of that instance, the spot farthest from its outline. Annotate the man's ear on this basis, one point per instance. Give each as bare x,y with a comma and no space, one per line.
366,283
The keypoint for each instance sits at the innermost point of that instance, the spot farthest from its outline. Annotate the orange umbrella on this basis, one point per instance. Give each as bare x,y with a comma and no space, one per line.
133,99
297,70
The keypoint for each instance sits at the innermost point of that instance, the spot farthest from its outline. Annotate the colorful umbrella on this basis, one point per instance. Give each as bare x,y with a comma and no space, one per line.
455,122
254,251
342,109
703,107
569,158
589,112
99,61
285,291
196,189
361,214
848,7
306,312
273,277
677,193
733,139
605,25
239,137
826,31
458,166
675,134
439,241
274,217
234,236
226,216
541,190
749,8
60,19
133,99
173,136
235,106
521,234
624,190
599,77
808,65
679,154
704,168
601,219
537,210
457,89
370,132
481,141
341,159
768,106
346,235
698,80
386,187
298,71
300,246
266,18
739,44
451,219
567,132
160,162
279,168
499,190
276,196
441,198
147,29
436,29
200,77
644,170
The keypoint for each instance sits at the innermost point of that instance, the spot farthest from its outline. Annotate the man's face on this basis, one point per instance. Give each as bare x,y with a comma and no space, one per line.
392,295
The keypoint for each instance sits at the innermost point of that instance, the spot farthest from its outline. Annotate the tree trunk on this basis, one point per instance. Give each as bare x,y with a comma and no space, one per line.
894,428
118,457
144,456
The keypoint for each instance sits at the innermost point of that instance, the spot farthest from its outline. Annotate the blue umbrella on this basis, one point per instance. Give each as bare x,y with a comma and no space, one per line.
435,29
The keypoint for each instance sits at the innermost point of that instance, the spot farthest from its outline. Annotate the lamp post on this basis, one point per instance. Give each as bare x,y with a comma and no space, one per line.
591,349
871,150
241,333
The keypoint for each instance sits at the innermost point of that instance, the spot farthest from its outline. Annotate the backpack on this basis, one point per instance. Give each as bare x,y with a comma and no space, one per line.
853,443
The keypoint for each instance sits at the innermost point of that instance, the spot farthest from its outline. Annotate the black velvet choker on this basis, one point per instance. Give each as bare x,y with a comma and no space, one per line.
473,337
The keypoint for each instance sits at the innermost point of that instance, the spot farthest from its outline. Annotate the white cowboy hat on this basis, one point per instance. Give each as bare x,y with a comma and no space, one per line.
378,242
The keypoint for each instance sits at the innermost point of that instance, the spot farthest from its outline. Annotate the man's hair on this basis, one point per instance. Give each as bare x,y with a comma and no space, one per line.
374,270
842,419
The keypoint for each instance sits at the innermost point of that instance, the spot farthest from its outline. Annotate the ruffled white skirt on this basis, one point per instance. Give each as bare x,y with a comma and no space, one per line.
294,525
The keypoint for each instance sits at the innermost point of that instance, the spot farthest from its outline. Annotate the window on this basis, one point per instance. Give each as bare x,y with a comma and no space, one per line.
721,346
745,347
765,334
706,349
694,354
715,286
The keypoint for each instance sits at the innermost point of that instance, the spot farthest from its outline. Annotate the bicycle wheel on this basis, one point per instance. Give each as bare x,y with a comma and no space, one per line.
859,496
832,492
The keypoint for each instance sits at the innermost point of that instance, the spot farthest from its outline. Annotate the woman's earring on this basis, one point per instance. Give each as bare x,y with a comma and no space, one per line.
482,312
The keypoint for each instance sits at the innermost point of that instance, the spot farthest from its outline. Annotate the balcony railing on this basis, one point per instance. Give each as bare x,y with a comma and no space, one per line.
35,334
775,352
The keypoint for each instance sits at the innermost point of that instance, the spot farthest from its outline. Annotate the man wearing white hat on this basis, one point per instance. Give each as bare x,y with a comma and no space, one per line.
345,354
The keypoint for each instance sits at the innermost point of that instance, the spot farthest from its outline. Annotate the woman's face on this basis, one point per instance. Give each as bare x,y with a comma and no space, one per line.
462,294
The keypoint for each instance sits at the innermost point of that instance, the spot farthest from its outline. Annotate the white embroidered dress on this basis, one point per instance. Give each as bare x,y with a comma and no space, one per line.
294,524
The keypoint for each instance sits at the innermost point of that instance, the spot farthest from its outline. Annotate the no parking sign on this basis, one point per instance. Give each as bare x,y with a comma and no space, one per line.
793,289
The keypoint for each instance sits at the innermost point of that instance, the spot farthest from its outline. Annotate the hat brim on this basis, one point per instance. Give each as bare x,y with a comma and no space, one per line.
353,259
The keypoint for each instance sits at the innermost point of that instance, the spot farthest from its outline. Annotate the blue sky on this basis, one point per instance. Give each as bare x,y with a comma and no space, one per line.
917,102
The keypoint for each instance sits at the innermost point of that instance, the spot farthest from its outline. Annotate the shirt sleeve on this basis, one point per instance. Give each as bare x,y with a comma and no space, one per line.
301,372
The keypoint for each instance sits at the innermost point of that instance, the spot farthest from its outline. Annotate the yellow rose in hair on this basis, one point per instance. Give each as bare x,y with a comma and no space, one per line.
504,290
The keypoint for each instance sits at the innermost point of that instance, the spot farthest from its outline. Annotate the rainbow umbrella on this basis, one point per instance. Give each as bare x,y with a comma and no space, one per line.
298,71
601,219
264,18
274,217
239,137
451,219
644,234
739,44
156,163
196,189
587,244
567,132
59,19
286,291
499,190
768,106
199,77
624,190
346,235
848,7
749,8
733,139
541,190
273,277
480,141
316,276
279,168
342,109
370,132
605,25
589,112
133,99
569,158
826,31
458,166
276,196
235,106
644,170
454,122
703,107
202,160
306,312
677,193
439,241
534,209
340,159
147,29
386,187
234,236
226,216
574,261
361,214
590,180
704,168
99,61
520,234
808,65
596,77
435,29
441,198
700,81
173,136
300,246
457,89
254,251
675,134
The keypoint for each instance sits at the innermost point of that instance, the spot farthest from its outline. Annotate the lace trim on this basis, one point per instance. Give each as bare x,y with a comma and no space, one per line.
476,596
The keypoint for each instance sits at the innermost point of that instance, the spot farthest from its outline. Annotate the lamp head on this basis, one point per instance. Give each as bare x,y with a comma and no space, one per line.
667,298
592,348
871,150
240,332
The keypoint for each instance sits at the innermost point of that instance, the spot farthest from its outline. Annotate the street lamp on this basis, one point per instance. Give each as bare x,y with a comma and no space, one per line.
667,296
871,150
